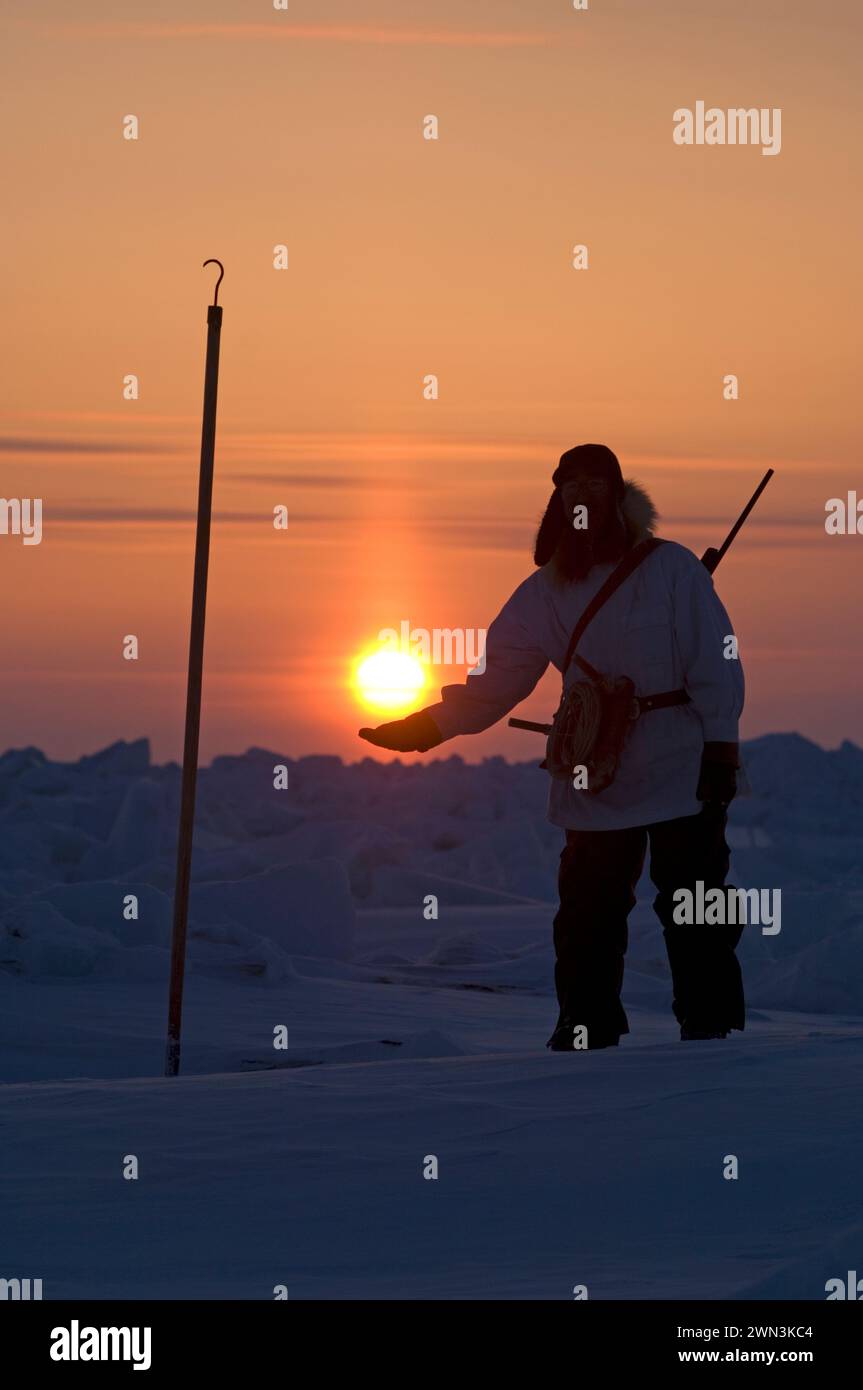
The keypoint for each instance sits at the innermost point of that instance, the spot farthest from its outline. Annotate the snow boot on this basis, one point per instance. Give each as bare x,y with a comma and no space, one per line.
689,1034
562,1038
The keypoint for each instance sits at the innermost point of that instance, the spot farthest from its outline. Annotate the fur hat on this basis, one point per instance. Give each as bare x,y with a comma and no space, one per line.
594,459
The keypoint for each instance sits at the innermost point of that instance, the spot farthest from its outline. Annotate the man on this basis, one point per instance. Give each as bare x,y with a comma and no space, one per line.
665,629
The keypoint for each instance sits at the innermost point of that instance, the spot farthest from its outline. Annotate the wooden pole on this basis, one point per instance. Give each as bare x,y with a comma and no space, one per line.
193,687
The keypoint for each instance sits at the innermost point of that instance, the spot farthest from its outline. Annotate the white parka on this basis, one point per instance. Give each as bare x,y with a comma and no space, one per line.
664,628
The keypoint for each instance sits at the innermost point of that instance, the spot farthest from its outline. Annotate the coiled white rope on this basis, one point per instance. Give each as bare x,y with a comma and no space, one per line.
576,725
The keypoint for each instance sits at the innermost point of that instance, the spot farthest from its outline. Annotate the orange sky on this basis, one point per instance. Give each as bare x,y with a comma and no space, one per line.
410,257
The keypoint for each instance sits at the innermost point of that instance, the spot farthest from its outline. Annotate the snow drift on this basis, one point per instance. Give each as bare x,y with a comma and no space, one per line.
291,868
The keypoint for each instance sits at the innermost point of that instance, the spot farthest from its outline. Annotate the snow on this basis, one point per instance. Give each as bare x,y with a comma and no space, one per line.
409,1036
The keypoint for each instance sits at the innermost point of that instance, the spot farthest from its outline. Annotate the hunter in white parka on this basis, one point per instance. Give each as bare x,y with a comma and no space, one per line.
665,628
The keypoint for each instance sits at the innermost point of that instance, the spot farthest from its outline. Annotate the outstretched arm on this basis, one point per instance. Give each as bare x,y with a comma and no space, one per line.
506,674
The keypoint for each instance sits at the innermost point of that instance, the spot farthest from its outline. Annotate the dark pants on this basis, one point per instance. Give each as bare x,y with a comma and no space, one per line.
599,870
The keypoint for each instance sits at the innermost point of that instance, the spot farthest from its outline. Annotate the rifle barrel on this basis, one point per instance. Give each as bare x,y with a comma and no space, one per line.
744,514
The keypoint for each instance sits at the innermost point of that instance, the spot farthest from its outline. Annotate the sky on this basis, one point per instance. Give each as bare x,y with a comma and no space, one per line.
407,257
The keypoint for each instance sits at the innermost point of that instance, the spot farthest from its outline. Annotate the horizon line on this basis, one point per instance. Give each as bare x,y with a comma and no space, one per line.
275,753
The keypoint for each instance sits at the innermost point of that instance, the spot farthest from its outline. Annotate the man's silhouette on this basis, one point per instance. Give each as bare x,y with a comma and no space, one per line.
665,628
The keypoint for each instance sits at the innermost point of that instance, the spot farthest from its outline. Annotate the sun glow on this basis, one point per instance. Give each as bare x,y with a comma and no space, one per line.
390,682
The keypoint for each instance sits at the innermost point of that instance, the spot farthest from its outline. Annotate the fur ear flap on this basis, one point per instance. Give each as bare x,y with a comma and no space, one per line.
551,529
638,511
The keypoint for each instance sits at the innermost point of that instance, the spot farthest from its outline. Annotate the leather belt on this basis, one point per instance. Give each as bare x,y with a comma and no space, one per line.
642,703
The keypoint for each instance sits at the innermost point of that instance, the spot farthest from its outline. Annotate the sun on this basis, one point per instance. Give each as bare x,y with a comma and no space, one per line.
389,682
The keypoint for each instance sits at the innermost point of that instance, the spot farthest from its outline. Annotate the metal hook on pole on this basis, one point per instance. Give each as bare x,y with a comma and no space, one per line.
213,261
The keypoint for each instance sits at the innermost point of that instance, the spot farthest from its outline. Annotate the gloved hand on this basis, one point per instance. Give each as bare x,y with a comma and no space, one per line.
415,734
718,778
